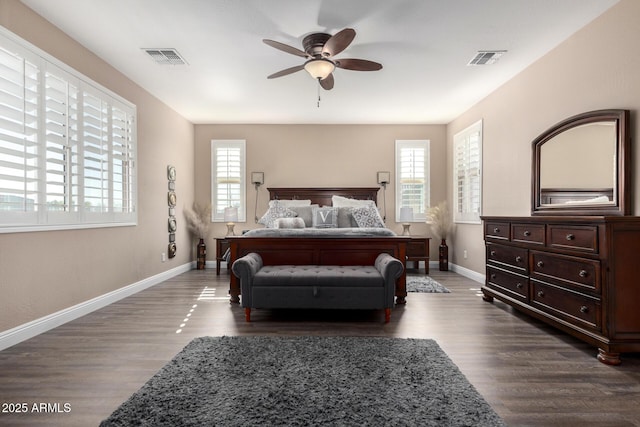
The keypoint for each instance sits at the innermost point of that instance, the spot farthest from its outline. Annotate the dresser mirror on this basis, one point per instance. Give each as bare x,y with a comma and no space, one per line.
581,166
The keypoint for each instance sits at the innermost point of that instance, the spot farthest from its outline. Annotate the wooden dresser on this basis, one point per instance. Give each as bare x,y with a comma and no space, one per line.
580,274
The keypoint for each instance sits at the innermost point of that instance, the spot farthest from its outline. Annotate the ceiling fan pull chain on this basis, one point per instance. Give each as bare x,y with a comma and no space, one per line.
318,93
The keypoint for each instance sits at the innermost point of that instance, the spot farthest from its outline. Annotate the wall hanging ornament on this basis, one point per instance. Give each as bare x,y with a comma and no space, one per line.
172,199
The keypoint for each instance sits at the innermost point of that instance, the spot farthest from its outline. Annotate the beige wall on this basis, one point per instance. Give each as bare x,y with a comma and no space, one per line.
320,156
44,272
596,68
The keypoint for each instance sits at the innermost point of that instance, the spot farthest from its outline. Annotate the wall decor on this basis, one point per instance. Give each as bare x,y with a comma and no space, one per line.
172,199
171,173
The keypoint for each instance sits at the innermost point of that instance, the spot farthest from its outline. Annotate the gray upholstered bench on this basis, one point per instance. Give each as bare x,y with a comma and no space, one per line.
369,287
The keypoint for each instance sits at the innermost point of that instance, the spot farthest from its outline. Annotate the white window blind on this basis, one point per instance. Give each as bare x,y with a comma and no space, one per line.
228,178
467,176
412,177
67,146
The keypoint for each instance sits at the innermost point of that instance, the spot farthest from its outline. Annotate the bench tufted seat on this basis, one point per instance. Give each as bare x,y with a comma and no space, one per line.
317,286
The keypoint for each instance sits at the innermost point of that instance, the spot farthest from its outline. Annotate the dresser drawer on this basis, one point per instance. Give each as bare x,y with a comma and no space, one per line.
572,306
578,273
514,285
528,233
580,238
496,230
515,258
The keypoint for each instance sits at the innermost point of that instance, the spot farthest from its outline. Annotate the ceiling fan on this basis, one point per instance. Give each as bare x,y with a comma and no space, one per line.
319,49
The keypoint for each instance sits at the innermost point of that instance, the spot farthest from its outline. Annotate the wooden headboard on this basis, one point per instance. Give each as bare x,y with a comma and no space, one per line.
322,196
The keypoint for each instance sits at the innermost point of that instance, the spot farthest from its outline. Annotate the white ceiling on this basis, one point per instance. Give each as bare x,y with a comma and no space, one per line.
424,46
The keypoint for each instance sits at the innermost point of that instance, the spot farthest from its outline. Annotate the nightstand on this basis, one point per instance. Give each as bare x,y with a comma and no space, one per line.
418,250
222,244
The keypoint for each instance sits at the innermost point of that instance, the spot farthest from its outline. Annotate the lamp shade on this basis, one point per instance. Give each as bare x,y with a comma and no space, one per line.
319,68
406,214
231,214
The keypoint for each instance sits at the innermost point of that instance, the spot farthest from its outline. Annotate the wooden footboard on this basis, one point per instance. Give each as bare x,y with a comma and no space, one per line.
319,251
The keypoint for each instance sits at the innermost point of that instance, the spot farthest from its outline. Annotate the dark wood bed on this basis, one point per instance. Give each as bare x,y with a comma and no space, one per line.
343,250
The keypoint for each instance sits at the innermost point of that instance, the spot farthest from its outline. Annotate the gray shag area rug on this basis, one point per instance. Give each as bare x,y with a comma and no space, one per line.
307,381
424,284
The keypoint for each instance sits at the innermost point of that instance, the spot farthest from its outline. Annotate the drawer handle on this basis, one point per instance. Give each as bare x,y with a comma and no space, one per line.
493,276
492,253
527,233
570,236
519,285
496,230
584,309
540,264
540,294
583,273
518,258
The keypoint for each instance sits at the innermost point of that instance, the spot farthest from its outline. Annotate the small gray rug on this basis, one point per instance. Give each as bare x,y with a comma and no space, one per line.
307,381
424,284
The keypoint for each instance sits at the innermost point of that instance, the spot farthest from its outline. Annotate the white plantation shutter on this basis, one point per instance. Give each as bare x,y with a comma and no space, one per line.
19,138
412,177
122,160
228,178
61,142
67,146
95,118
467,176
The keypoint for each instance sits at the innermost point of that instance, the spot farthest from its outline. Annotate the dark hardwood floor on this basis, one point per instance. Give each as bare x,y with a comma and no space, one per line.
531,374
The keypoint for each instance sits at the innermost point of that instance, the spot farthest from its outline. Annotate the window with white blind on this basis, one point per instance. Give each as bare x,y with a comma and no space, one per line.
67,146
228,178
412,178
467,174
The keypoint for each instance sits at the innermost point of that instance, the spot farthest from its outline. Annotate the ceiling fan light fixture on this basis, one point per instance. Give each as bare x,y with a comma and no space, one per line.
319,68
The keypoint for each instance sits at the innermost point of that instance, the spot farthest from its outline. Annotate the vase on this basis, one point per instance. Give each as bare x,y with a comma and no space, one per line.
202,254
444,255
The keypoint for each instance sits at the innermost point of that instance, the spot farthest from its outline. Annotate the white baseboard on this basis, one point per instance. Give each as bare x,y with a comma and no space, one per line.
473,275
36,327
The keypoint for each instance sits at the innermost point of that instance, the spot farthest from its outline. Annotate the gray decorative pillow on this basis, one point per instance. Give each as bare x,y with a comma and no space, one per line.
367,216
306,213
325,217
345,218
273,213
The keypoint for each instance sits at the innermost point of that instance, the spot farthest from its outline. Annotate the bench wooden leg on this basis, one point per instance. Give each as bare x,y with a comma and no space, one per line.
387,315
247,314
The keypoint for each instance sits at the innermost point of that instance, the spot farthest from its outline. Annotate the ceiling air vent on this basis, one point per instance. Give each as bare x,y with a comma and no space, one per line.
486,57
166,56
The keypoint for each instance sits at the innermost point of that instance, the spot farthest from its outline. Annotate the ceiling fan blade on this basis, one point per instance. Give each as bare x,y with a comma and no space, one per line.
358,64
338,42
285,48
327,82
286,71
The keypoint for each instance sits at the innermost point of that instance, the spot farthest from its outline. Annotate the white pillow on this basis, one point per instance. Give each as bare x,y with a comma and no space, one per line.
289,203
345,202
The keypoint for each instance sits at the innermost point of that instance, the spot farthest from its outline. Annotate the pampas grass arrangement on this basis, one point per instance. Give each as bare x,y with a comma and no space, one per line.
198,219
441,224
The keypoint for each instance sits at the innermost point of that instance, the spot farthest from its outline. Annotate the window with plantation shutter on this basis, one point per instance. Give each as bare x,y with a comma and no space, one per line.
467,176
412,177
67,145
228,178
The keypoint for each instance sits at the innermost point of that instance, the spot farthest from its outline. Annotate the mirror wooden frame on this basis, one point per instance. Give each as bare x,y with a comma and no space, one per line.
622,196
